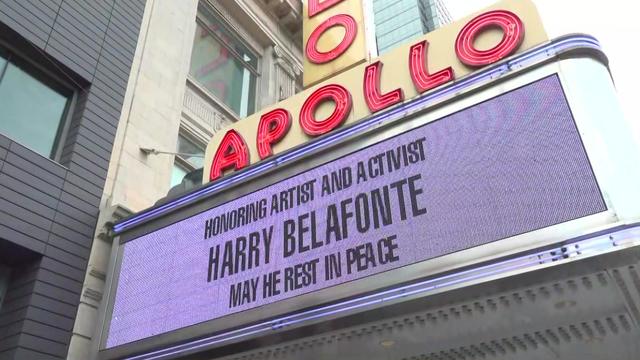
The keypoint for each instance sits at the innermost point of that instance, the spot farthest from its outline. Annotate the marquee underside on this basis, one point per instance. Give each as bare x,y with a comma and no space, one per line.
583,309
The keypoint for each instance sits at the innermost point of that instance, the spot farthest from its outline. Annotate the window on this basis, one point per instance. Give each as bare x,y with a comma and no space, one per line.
190,157
222,64
33,107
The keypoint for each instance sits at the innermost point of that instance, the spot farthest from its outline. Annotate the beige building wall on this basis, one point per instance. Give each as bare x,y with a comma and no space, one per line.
162,100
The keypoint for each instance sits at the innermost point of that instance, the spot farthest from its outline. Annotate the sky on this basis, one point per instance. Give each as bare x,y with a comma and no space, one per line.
615,23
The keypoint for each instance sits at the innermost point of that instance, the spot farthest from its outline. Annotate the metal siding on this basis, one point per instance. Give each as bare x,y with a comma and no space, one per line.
69,246
15,20
69,297
80,199
16,191
51,208
92,188
83,145
21,239
32,217
45,331
25,12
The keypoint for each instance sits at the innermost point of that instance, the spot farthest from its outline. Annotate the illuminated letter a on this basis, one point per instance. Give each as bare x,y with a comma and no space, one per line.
231,154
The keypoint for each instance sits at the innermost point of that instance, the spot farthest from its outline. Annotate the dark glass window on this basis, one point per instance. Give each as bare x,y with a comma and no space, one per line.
223,65
32,106
190,157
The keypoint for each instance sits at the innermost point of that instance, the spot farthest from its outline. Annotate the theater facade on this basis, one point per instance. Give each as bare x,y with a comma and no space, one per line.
471,194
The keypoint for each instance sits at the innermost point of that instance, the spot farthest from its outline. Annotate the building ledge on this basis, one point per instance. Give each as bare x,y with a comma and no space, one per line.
288,12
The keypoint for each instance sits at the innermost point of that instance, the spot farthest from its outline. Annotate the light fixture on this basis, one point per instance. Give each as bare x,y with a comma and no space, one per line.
151,151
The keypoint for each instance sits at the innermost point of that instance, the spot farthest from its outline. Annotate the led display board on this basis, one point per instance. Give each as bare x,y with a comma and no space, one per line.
507,166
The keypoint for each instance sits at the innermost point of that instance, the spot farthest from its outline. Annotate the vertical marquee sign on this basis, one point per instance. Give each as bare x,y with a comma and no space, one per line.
333,38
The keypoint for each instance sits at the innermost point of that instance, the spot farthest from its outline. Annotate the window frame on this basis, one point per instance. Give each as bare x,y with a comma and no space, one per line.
179,160
228,28
52,80
255,71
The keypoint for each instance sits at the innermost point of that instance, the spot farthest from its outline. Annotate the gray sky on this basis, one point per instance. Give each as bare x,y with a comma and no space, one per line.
614,23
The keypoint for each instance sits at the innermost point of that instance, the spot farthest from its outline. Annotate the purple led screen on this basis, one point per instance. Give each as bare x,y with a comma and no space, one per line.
510,165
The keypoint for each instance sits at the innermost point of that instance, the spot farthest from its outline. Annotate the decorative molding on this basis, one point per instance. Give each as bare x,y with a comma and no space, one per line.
268,22
198,108
287,74
294,68
114,214
288,13
92,294
97,274
235,25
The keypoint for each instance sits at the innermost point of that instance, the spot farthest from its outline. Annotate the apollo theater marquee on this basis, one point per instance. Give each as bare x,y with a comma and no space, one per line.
395,203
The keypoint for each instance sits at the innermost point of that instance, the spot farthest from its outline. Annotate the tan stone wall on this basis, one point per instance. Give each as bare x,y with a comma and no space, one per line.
161,100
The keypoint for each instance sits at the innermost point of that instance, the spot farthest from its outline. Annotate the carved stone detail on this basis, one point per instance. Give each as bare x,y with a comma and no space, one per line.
97,274
237,28
92,294
205,112
287,74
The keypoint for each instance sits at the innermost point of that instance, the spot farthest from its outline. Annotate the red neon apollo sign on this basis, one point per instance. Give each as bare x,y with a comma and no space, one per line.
233,153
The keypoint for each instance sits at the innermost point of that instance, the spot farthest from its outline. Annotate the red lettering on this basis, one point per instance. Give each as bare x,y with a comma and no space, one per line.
512,36
419,69
317,6
332,92
371,87
231,154
351,30
273,126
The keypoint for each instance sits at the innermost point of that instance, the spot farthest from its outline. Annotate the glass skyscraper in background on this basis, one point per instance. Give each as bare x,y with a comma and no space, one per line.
397,21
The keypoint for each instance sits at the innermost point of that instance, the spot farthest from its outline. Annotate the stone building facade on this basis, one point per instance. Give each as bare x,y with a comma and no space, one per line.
199,65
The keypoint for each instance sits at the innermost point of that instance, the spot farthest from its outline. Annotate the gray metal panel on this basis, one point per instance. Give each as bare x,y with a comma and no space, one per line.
66,258
117,85
68,246
45,14
94,164
93,136
67,233
51,208
95,24
32,16
99,120
15,191
109,71
45,331
43,345
80,199
86,184
64,51
49,318
21,239
26,354
30,216
62,268
43,163
89,148
60,281
17,22
56,292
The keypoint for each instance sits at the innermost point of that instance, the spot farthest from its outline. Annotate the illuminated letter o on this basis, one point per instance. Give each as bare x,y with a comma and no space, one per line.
332,92
512,30
351,30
